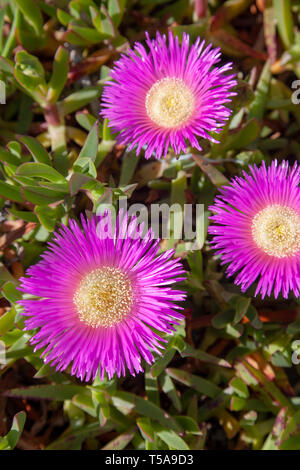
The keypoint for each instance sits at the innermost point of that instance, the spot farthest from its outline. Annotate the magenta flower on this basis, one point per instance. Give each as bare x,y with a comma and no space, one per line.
257,229
168,96
102,294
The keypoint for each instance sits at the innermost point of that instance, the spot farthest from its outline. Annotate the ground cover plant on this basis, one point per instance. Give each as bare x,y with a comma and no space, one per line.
183,334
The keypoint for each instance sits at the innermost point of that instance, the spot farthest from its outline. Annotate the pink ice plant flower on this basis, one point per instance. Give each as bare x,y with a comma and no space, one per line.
100,296
256,229
168,95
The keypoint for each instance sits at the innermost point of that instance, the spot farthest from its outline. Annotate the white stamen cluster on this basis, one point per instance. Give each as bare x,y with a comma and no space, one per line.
104,297
276,230
169,102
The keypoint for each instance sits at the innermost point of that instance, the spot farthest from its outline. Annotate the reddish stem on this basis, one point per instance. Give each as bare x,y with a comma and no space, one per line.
52,115
200,8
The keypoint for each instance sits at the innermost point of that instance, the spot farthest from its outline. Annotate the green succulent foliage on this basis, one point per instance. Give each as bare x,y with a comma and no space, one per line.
90,22
230,365
10,441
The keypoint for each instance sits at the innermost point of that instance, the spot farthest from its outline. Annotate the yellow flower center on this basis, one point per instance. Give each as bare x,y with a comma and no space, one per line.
169,102
104,297
276,230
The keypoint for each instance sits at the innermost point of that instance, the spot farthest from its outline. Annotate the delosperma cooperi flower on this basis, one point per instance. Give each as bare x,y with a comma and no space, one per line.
168,96
256,228
101,296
